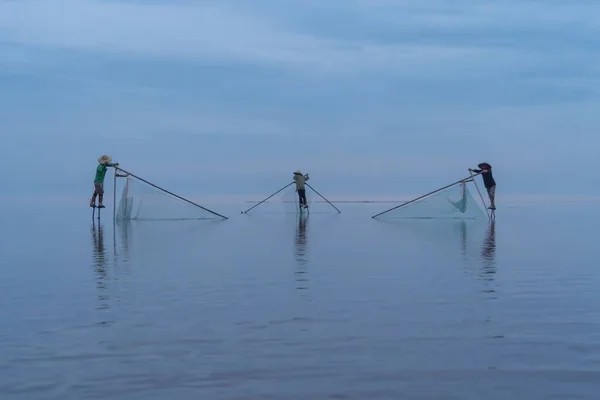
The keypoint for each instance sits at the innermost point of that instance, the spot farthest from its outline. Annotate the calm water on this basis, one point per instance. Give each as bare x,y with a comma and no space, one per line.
268,307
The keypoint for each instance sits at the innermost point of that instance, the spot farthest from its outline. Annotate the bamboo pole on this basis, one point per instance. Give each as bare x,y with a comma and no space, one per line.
480,195
339,212
115,197
259,203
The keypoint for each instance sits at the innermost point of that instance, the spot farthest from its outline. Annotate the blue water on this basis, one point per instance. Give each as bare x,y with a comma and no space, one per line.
331,307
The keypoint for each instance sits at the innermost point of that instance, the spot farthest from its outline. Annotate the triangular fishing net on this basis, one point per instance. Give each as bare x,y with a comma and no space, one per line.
454,202
142,201
287,202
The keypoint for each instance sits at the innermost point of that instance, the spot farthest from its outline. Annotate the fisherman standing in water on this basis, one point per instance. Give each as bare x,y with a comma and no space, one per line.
488,181
300,179
103,163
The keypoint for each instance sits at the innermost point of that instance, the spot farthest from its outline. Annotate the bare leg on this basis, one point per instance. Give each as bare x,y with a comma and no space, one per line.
93,201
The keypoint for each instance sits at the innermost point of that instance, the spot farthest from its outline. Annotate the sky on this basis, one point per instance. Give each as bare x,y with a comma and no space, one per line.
372,98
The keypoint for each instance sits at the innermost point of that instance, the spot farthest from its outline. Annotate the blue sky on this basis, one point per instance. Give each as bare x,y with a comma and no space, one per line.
373,98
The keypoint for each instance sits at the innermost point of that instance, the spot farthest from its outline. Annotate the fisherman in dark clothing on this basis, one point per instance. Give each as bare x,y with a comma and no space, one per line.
300,180
488,181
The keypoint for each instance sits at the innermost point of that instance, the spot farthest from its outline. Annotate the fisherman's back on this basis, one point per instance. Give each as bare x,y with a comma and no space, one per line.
100,173
300,180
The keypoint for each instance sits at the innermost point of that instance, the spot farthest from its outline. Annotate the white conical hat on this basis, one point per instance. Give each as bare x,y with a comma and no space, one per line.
298,172
104,159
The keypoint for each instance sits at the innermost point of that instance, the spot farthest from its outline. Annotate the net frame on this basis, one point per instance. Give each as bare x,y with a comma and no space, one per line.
295,200
464,181
125,199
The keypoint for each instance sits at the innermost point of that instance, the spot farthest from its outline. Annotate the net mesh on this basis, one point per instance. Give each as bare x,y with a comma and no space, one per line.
287,202
455,202
141,201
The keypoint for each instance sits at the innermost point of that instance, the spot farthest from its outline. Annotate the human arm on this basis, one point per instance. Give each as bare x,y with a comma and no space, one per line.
306,177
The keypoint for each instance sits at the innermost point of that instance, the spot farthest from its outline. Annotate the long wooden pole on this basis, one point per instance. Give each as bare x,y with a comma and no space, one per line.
339,212
259,203
425,195
172,194
115,197
480,195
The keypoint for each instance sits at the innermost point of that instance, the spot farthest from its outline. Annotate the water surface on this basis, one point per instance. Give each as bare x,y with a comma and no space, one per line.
277,307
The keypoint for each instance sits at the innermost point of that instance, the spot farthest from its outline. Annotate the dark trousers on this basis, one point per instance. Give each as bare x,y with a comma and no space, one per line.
302,196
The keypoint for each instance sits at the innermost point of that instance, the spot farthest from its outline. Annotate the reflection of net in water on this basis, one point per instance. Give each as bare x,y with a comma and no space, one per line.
143,201
287,201
455,202
445,240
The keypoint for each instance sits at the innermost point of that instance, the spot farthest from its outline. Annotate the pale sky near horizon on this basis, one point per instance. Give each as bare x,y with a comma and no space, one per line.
371,97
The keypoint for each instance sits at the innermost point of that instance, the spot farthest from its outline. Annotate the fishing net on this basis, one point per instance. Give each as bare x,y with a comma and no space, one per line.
455,202
142,201
287,201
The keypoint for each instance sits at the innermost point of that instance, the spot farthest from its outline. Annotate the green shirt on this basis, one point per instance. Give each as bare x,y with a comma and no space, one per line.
101,172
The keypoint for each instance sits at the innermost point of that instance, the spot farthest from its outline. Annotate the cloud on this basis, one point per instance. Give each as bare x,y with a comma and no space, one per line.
428,40
386,95
218,32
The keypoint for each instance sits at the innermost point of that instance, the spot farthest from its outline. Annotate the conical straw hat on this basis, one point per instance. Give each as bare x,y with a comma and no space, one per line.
104,159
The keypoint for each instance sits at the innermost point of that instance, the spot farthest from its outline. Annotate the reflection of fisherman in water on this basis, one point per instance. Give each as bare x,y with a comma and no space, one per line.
99,251
99,256
461,205
488,251
300,252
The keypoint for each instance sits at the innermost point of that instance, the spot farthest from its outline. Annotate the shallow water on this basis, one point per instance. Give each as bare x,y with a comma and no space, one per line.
273,307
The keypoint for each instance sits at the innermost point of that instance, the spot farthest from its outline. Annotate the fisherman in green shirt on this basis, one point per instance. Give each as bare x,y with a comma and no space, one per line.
103,163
